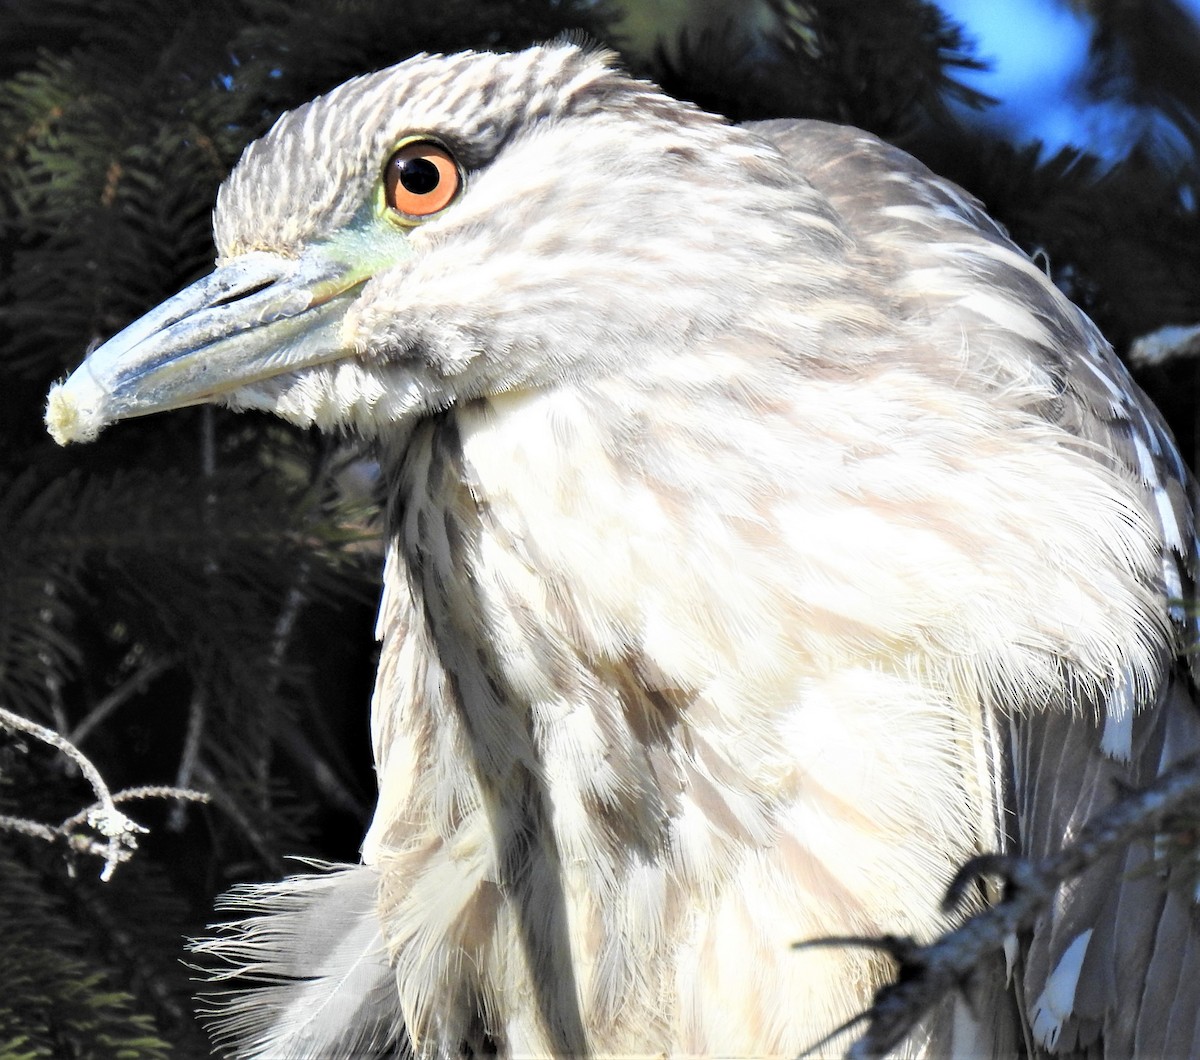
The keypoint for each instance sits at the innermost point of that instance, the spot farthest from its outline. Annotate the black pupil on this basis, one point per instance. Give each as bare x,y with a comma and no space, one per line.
419,176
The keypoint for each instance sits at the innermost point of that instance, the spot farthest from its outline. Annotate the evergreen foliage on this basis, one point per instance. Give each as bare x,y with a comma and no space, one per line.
190,599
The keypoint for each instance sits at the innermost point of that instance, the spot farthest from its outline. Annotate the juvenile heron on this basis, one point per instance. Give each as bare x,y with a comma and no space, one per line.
767,536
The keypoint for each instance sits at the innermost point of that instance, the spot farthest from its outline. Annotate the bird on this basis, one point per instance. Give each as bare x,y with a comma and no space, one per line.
767,536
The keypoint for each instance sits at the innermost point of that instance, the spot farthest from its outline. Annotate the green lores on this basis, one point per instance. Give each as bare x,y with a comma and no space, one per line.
256,316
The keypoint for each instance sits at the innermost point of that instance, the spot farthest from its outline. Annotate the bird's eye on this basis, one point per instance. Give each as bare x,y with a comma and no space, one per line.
420,179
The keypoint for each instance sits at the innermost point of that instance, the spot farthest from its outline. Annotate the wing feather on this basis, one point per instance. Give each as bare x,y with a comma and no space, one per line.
309,969
1120,946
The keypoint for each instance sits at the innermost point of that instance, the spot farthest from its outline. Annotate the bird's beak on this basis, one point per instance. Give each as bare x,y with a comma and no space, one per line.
257,316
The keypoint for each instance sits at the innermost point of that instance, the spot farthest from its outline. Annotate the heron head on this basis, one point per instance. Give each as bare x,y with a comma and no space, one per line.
453,227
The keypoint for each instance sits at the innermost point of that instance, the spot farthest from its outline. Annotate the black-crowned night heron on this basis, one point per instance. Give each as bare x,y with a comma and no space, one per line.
767,537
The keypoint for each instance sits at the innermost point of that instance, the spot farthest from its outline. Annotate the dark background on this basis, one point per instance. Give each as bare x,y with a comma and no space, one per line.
191,598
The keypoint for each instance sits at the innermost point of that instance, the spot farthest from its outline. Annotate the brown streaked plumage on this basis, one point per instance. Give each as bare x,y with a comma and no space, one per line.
767,537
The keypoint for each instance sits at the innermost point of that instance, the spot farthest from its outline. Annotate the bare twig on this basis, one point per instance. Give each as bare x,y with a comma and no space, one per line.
927,973
23,826
281,639
118,832
234,811
101,711
197,714
161,791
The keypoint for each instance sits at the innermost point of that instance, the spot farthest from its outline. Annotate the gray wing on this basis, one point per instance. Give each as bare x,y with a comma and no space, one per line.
1114,967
